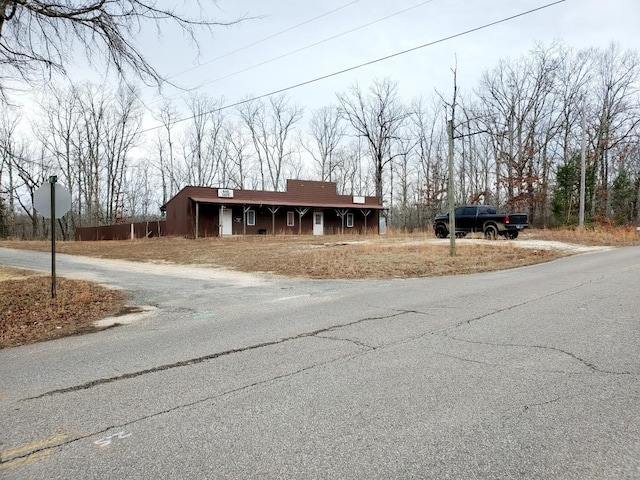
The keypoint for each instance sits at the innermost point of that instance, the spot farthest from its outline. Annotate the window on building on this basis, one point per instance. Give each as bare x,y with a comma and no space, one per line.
349,220
291,219
251,217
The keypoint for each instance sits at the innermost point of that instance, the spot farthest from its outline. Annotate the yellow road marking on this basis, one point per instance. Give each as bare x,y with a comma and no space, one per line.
38,444
25,460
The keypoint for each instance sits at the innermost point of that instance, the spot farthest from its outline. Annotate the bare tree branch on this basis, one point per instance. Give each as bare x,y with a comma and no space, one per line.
36,37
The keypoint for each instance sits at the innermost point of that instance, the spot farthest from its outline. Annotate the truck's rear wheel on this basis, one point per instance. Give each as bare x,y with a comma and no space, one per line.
490,232
441,231
512,235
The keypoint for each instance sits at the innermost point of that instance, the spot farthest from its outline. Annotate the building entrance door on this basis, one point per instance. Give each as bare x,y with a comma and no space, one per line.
226,221
318,223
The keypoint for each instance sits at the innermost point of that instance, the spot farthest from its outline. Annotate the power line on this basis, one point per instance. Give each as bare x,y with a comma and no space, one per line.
314,44
355,67
146,105
264,39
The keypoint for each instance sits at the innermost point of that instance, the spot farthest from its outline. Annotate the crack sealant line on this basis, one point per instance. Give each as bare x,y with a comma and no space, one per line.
542,404
178,407
348,340
468,360
213,356
510,307
584,362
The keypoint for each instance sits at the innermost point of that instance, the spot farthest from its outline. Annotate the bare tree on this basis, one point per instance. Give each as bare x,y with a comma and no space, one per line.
617,114
90,133
165,144
140,194
120,137
271,126
58,133
30,175
236,152
375,117
518,111
350,177
35,35
205,141
8,151
402,198
425,124
326,131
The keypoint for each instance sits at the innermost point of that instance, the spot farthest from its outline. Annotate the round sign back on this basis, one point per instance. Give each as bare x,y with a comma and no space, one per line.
42,200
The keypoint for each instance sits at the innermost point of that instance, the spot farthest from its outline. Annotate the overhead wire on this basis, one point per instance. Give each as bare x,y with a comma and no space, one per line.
361,65
133,90
371,62
320,42
257,42
146,105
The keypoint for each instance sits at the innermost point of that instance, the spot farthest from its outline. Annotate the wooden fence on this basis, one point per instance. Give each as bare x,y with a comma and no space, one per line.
122,231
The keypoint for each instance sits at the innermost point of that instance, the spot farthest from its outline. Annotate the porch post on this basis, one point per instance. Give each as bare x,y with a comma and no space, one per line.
365,213
197,218
273,209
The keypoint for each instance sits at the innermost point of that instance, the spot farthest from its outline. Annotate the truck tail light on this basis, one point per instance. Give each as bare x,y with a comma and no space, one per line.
506,219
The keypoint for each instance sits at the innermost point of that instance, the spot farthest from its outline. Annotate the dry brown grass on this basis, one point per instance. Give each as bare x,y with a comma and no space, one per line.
28,314
591,236
349,257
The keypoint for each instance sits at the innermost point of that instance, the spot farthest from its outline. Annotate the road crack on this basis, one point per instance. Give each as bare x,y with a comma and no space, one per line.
200,401
591,366
349,340
206,358
541,404
512,307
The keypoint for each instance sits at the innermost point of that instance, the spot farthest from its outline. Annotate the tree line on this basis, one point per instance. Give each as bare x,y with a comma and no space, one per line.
518,137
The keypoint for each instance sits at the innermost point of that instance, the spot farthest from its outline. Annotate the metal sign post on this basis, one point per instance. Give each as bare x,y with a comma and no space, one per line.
52,181
45,199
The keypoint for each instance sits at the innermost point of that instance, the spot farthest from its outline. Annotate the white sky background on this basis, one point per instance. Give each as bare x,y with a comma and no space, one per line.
578,23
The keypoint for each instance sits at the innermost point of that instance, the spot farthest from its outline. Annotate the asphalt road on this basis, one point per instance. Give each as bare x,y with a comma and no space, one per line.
527,373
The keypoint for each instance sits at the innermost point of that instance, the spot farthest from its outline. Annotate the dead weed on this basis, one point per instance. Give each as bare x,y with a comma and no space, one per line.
28,314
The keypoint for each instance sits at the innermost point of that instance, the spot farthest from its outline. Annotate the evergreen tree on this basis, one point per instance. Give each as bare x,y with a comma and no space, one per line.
566,195
623,199
565,203
3,220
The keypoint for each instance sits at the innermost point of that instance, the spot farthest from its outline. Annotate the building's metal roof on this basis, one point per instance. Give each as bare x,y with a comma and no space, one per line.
299,193
283,203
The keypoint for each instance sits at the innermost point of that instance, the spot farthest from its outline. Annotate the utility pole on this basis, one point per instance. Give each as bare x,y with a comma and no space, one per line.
451,194
583,168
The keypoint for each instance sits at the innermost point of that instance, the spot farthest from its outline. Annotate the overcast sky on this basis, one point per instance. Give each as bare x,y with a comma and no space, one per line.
295,41
340,34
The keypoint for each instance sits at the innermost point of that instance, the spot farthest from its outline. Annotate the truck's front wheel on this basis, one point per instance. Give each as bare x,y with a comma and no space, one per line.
490,232
441,231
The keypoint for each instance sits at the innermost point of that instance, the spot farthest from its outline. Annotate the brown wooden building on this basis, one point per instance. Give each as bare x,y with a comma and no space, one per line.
307,207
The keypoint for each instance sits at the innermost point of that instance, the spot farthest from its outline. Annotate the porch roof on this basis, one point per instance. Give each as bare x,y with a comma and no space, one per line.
284,203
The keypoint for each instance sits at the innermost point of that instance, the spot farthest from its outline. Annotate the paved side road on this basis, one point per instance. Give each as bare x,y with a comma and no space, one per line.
528,373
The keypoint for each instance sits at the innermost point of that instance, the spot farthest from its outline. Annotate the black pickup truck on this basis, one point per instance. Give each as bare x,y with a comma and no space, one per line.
481,218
